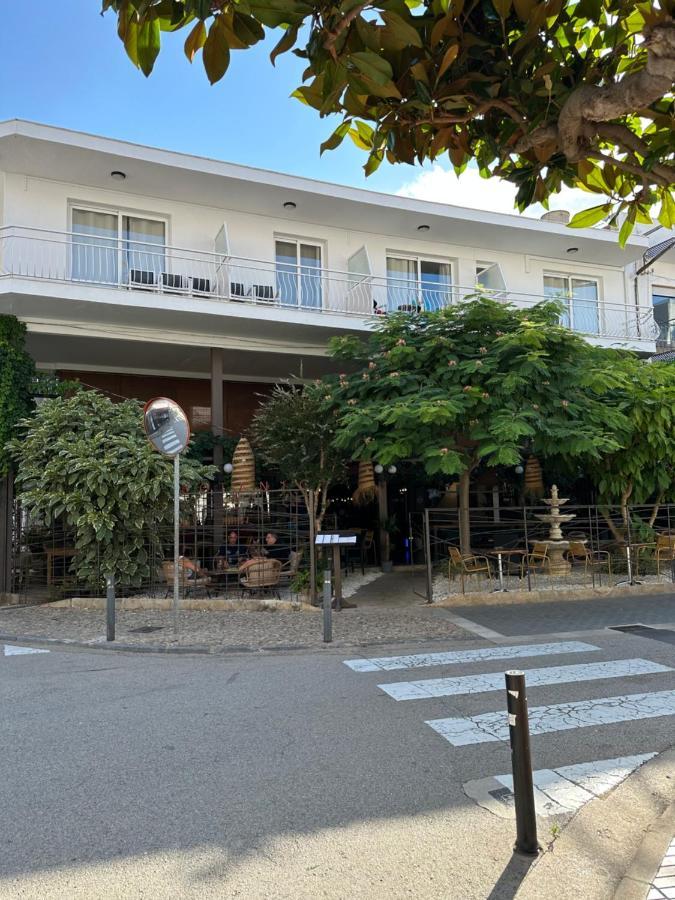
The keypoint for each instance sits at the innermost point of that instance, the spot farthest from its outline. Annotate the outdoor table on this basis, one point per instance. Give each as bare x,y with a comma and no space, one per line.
498,553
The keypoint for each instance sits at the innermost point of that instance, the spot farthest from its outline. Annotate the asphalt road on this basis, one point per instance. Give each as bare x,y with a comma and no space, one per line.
274,776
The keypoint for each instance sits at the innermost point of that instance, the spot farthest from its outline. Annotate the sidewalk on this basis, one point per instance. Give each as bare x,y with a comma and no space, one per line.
613,846
388,612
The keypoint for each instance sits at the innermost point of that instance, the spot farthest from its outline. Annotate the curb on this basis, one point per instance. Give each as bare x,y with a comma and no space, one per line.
636,882
613,846
35,640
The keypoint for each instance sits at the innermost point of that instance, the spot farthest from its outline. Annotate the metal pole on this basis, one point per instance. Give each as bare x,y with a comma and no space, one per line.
337,570
176,540
427,553
312,548
327,612
110,608
521,762
527,549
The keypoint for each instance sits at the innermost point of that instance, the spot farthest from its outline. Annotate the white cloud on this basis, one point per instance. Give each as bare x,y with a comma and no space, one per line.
441,185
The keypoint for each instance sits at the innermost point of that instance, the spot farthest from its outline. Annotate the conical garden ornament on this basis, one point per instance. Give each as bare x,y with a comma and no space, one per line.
366,490
243,468
534,482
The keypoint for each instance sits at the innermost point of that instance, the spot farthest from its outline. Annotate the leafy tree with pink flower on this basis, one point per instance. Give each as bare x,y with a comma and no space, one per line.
473,385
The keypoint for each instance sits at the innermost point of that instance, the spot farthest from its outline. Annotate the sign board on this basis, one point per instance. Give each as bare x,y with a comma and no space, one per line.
166,426
335,539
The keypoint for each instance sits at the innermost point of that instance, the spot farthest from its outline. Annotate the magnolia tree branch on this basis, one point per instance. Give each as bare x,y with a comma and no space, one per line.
343,25
579,122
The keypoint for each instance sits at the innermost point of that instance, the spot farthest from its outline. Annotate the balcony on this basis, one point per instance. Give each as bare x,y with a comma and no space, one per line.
154,271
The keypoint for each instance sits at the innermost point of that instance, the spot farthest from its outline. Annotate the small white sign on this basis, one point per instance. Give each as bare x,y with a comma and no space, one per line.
21,651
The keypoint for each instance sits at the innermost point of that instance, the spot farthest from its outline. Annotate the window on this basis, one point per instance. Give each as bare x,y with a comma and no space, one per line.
580,296
414,283
298,271
664,316
114,248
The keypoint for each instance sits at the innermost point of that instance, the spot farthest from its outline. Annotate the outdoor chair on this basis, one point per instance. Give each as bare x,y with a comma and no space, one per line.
187,585
368,547
290,569
665,550
537,560
592,559
467,564
262,577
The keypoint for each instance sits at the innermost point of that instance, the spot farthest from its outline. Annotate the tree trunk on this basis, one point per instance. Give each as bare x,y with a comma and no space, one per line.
464,516
618,536
655,509
6,508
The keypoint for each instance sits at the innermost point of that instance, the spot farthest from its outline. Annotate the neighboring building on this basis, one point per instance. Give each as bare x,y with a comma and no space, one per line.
145,272
659,267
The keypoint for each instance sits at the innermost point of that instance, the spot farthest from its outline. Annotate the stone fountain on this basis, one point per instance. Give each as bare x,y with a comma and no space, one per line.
556,544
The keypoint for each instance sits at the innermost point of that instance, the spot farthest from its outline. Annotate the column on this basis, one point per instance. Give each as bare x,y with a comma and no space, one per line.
217,429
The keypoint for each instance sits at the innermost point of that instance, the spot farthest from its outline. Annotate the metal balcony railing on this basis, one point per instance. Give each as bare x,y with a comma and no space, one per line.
119,264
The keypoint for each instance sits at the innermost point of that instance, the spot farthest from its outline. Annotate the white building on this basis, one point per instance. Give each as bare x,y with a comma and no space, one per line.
144,272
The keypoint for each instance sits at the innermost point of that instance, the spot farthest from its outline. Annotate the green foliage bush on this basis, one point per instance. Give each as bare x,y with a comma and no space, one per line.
85,462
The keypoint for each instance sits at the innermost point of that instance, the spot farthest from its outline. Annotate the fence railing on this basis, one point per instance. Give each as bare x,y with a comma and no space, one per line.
510,549
151,267
47,559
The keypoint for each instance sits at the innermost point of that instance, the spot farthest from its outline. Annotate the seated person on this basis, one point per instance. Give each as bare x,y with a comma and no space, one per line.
273,549
232,552
190,567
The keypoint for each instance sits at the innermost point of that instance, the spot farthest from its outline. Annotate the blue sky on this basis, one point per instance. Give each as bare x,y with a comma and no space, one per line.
64,65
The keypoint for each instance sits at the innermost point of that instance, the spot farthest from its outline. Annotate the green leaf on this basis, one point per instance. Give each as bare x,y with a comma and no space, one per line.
337,136
216,54
667,211
503,7
195,40
588,217
403,32
626,230
148,43
373,66
285,43
448,59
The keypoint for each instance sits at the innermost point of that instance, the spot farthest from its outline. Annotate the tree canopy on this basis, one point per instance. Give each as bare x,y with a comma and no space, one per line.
543,93
641,470
85,462
296,436
475,384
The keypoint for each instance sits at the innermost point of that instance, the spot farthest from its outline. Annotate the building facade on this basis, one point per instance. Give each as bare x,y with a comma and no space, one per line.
145,272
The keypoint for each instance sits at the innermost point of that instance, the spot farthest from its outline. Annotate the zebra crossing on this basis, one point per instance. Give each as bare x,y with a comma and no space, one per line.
558,789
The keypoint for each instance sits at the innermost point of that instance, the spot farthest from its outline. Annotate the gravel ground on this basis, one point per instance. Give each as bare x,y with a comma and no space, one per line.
246,630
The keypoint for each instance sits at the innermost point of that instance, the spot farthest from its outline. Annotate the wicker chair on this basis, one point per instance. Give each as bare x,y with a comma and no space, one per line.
665,550
261,576
187,584
290,569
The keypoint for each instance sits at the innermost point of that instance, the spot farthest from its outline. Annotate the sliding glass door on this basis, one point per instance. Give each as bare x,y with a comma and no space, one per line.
298,272
114,248
580,296
414,283
94,255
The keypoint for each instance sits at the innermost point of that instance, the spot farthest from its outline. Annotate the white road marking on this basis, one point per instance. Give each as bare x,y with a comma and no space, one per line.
494,681
557,791
494,726
10,650
663,885
455,657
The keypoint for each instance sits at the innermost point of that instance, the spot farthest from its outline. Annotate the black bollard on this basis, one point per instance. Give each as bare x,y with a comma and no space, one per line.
327,610
521,762
110,608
